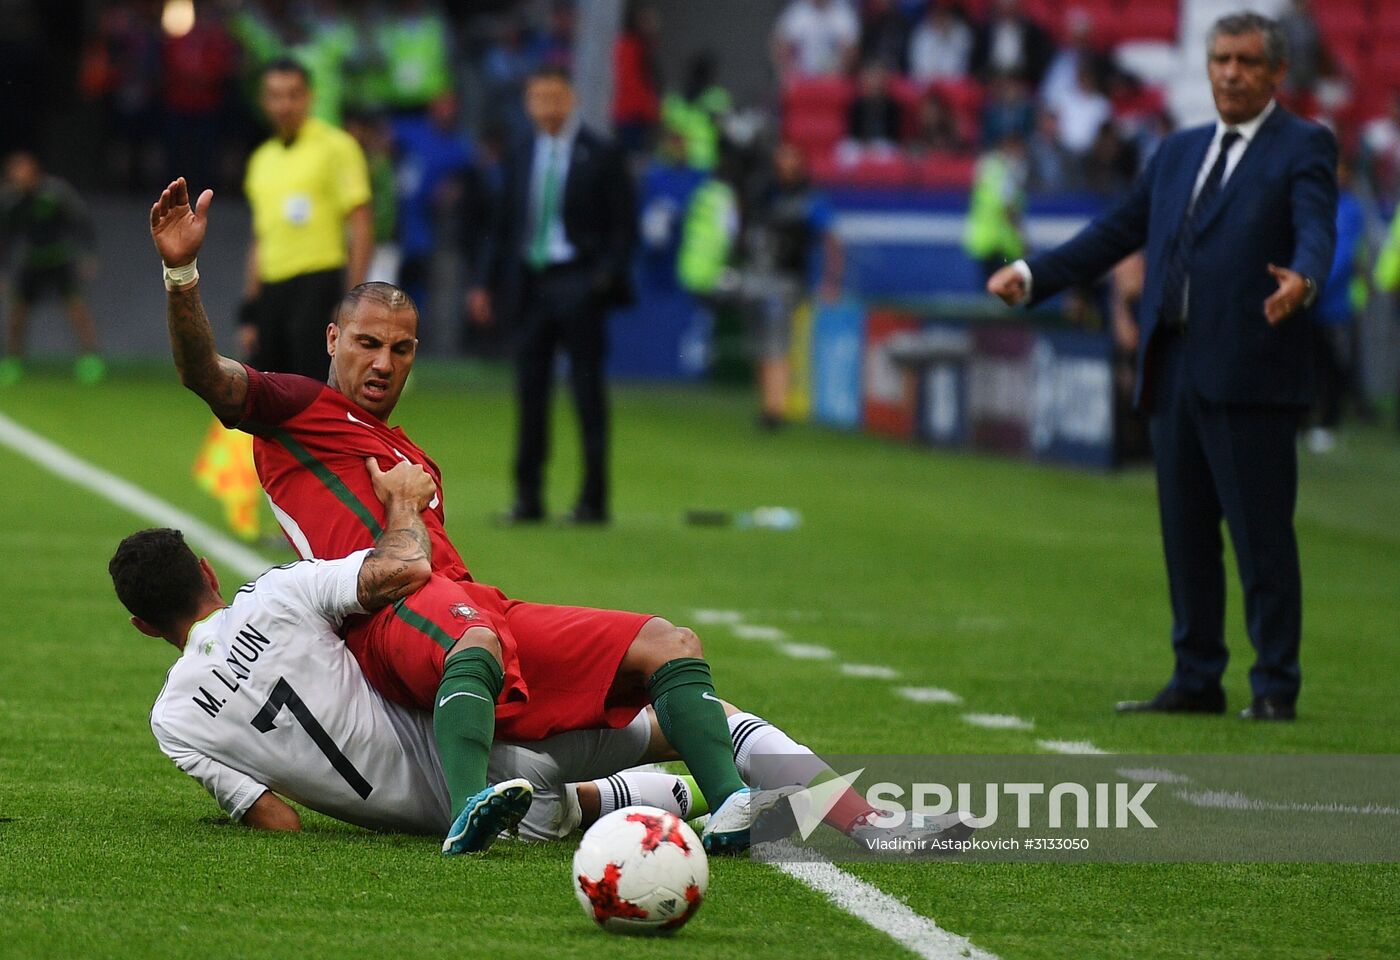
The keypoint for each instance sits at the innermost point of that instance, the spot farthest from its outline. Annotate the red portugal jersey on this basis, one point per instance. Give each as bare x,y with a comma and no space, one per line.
310,444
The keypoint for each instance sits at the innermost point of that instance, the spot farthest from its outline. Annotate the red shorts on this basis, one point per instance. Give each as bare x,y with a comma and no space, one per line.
560,662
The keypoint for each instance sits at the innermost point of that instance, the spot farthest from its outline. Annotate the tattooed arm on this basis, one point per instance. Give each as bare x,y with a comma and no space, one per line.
401,561
178,231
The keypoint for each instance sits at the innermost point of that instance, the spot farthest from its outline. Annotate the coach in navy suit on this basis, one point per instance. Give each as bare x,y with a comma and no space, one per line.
1237,219
559,258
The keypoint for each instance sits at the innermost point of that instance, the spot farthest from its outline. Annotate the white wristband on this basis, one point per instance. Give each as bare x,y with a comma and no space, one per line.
176,277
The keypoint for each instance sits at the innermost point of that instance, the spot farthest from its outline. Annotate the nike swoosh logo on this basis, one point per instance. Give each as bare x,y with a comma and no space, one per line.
462,693
707,695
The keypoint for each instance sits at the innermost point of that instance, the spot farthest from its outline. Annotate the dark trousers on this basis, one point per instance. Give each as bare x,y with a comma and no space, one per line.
561,309
292,316
1240,462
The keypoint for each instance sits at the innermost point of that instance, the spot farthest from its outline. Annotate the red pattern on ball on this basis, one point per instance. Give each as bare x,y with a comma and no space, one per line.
659,830
604,897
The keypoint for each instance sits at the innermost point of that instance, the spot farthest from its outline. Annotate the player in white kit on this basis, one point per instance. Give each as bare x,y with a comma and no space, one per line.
265,699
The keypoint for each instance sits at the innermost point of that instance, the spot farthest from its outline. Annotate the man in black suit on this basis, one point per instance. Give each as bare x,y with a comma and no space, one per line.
1238,219
561,257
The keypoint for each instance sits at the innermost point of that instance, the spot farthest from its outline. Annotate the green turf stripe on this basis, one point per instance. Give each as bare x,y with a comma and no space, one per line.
333,483
423,625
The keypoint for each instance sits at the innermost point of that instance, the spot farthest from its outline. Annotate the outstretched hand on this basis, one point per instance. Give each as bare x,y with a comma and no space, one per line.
177,229
1285,301
1007,284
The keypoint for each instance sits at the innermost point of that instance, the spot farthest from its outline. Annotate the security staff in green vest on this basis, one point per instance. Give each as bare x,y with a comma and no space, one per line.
993,236
707,236
415,46
321,45
695,114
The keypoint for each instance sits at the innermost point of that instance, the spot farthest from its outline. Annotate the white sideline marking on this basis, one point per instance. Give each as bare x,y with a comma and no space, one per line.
928,695
871,670
862,900
754,631
915,932
129,497
806,651
1071,747
717,616
1233,800
997,721
1153,774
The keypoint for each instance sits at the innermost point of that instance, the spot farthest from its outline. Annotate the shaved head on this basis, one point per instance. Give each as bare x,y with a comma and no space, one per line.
376,292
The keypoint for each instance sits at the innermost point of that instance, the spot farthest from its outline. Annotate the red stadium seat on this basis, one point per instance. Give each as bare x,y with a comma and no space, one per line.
1147,22
880,172
815,113
814,133
1383,71
1341,23
1048,13
892,171
946,171
818,93
1144,101
1386,17
823,168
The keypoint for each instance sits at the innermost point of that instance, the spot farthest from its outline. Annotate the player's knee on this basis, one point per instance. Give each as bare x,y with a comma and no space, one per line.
686,642
658,643
482,638
671,643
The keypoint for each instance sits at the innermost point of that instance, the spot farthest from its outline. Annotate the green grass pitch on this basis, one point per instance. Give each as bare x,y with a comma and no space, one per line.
1029,590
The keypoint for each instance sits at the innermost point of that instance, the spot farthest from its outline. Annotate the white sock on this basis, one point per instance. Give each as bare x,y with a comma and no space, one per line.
769,759
632,788
785,762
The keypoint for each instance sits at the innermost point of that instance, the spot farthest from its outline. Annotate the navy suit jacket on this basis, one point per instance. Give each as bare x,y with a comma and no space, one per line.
600,220
1279,206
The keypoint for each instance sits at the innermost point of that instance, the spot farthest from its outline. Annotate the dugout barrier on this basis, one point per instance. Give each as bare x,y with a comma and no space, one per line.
957,375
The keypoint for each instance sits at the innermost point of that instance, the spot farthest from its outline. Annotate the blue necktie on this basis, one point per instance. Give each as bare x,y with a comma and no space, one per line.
1174,283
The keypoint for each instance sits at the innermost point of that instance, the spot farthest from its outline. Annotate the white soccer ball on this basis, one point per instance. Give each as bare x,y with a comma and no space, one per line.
640,870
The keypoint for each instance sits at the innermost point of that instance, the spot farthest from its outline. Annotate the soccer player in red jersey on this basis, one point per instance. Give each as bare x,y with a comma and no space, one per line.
455,647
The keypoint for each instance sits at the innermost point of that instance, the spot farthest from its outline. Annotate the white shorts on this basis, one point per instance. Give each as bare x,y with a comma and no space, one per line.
565,758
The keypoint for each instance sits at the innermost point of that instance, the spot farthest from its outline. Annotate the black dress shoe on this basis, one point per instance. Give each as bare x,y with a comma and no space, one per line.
586,516
1267,708
520,514
1171,700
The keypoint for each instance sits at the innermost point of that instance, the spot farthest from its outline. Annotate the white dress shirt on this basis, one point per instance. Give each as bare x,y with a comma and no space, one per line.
562,144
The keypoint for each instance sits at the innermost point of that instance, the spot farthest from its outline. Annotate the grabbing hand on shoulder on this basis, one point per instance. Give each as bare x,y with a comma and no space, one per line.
405,482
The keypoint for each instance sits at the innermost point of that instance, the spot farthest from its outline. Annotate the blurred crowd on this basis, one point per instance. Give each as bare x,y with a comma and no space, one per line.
900,81
1013,98
997,99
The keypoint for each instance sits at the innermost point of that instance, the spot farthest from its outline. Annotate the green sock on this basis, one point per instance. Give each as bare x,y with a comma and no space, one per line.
464,721
692,718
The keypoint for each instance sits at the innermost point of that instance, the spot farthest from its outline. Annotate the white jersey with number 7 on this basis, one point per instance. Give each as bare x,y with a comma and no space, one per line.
266,686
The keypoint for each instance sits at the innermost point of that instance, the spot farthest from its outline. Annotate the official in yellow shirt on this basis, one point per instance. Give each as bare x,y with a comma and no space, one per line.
313,231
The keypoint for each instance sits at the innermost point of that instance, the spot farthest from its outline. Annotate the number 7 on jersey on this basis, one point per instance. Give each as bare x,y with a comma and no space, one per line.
283,695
